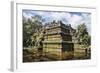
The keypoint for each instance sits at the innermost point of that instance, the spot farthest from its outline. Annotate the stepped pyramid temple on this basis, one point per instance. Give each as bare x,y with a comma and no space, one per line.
57,42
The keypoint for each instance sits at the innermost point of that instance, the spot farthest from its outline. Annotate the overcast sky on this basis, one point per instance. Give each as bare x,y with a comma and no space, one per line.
73,18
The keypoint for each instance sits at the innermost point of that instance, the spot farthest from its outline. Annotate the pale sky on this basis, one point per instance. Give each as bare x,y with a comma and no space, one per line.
73,18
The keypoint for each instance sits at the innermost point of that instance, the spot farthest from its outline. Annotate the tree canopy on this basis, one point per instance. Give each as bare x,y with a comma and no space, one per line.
31,29
82,35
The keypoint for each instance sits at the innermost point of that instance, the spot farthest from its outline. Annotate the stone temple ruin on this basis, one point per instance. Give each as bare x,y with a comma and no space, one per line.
57,42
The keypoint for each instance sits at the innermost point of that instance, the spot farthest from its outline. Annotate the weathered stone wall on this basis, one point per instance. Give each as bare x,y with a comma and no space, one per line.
57,43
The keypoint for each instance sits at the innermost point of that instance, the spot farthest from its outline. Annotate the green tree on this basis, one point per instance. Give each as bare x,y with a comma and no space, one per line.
82,35
31,26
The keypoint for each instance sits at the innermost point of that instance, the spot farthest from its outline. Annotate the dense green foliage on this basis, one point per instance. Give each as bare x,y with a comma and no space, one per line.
82,35
31,30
